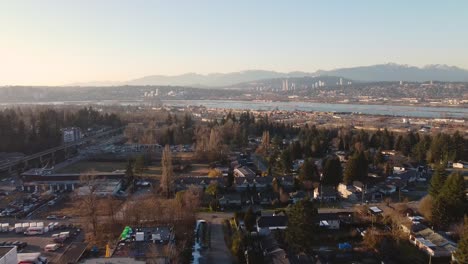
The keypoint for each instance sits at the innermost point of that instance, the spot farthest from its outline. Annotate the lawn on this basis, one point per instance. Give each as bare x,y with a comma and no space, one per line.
198,170
84,166
152,171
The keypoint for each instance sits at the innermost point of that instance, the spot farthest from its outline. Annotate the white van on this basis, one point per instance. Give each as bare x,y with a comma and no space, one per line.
51,247
31,231
64,234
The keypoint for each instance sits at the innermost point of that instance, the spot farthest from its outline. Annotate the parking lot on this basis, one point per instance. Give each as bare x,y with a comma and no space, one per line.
37,243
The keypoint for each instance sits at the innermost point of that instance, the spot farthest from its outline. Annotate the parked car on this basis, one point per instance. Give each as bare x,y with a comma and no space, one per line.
51,247
60,240
19,245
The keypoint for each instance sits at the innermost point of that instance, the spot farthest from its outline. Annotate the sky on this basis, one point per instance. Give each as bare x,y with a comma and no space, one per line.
56,42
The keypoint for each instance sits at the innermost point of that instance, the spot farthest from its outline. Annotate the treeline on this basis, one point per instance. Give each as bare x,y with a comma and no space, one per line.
30,130
313,142
210,139
363,150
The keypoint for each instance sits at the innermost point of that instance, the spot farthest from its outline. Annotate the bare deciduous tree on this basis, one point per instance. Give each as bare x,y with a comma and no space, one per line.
265,145
88,200
167,176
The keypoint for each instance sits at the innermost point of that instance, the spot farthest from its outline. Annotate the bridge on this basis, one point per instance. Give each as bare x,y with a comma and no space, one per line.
8,166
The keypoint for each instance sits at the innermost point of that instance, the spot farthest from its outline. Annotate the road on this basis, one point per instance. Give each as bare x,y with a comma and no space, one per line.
218,252
7,165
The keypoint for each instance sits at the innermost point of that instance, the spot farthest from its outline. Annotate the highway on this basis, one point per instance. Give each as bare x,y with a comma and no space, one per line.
6,166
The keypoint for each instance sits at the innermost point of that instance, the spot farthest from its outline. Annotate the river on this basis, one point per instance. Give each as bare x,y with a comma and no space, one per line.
369,109
392,110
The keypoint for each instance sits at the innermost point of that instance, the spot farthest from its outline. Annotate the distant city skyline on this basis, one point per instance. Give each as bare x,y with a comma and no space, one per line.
53,42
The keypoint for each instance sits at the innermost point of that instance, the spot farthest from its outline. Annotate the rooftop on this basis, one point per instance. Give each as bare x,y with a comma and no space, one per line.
143,242
5,250
272,221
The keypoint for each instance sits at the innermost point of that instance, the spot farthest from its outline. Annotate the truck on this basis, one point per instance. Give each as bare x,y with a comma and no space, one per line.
32,231
25,226
31,258
4,227
19,228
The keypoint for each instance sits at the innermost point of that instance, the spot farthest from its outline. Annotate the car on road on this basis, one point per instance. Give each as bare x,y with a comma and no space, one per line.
51,217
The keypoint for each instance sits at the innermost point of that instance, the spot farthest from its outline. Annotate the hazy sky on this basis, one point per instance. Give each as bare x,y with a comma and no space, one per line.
64,41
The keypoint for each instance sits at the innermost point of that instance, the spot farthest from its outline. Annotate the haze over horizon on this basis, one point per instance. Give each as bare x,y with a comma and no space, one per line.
54,42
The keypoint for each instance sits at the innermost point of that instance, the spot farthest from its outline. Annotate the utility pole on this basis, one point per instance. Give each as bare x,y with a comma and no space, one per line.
399,194
364,189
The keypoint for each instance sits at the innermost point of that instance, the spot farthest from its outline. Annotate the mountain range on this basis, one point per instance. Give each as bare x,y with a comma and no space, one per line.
373,73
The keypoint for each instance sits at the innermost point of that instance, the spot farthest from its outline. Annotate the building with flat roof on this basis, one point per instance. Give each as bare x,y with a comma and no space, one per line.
71,134
114,261
8,255
144,243
244,172
38,181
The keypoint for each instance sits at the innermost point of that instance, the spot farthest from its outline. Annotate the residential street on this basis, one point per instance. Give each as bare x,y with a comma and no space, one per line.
218,253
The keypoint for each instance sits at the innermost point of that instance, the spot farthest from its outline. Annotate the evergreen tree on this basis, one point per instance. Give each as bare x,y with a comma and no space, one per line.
378,157
230,179
332,172
286,161
356,168
351,170
461,255
449,205
308,171
301,226
437,181
249,219
296,150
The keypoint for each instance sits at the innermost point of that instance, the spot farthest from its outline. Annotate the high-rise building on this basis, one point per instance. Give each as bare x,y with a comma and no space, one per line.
285,85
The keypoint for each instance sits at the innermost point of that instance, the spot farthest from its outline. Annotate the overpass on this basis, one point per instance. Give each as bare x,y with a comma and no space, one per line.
9,166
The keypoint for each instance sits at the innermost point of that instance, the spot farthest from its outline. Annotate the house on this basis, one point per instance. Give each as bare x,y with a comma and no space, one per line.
412,228
224,170
261,183
265,224
297,164
403,179
433,243
460,165
387,189
244,172
266,198
375,210
325,193
342,156
272,251
328,220
231,199
359,186
297,196
182,183
347,192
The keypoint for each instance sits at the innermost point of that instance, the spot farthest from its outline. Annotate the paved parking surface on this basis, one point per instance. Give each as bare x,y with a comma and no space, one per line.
37,243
